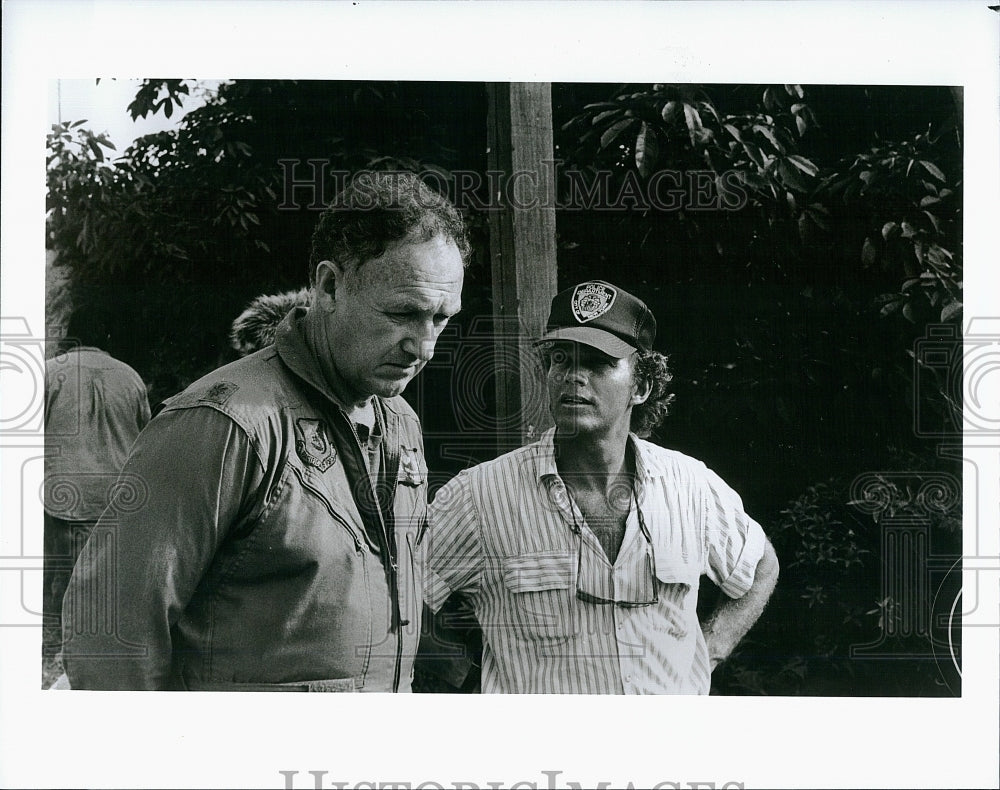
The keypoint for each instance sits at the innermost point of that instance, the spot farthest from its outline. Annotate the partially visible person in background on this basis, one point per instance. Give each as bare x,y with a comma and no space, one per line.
95,407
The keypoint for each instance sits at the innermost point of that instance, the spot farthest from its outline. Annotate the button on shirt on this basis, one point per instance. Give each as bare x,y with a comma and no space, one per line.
508,536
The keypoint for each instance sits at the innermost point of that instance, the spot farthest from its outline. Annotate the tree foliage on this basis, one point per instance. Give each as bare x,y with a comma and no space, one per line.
184,227
894,205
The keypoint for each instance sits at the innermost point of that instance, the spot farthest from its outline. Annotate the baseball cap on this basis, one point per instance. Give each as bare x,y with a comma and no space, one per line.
601,315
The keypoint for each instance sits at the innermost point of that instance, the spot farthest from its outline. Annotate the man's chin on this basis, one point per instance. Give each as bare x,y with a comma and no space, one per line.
392,387
568,424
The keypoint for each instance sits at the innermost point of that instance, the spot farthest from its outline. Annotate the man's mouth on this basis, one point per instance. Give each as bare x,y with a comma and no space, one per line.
403,368
574,400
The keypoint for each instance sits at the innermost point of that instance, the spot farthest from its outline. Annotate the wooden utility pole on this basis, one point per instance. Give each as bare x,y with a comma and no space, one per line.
522,223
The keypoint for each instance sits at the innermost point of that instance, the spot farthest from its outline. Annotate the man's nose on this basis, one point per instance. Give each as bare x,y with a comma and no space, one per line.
420,342
568,372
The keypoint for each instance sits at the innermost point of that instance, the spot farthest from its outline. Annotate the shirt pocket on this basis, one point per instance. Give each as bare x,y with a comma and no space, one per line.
677,592
541,589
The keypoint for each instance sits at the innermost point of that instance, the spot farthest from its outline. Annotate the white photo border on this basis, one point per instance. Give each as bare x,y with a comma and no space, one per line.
248,740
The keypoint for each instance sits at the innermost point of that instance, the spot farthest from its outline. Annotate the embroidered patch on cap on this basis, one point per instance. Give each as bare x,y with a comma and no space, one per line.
219,392
592,300
312,443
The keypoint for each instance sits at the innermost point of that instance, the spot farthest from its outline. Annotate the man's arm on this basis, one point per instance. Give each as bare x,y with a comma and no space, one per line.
454,560
731,619
190,472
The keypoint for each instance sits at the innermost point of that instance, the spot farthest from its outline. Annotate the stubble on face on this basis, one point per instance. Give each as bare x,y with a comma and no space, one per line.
590,393
387,314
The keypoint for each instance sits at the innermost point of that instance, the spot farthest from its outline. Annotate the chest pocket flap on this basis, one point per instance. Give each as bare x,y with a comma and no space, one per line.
541,589
672,569
539,572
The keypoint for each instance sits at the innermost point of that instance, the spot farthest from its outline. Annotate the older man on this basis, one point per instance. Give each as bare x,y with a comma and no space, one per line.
582,554
270,542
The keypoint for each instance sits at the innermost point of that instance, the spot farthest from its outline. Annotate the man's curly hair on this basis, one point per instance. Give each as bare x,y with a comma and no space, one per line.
377,209
651,366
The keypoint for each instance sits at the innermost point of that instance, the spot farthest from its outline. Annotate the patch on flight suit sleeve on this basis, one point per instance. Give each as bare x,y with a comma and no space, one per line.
219,392
410,473
312,443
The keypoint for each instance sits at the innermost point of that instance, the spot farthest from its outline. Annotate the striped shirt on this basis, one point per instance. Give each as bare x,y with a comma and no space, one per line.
508,535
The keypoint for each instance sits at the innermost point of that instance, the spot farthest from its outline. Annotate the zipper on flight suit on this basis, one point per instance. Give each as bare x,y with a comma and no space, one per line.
358,543
396,616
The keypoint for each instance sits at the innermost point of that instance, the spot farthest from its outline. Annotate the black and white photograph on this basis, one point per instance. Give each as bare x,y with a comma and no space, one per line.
452,383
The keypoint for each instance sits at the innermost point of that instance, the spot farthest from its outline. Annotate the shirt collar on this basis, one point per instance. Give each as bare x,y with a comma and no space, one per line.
547,472
290,343
545,457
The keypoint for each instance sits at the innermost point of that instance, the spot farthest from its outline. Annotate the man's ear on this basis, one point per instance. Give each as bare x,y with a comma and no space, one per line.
643,388
329,277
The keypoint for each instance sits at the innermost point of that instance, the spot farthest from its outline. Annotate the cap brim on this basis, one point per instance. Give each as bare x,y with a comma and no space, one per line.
610,344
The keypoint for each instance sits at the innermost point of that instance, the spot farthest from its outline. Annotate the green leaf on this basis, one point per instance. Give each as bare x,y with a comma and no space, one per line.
801,125
868,252
753,180
803,164
601,116
707,106
670,110
646,150
817,217
794,90
951,311
790,176
693,120
934,221
754,153
890,230
804,230
98,153
931,168
769,134
614,130
929,200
